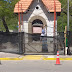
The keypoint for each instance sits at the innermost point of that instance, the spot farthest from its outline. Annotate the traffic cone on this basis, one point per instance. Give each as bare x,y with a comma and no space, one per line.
57,60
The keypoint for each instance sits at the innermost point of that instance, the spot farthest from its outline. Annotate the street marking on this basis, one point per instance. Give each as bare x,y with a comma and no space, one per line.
35,57
49,58
11,58
56,58
28,57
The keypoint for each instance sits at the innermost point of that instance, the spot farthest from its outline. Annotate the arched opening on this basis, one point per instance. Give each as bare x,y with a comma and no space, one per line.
37,25
35,22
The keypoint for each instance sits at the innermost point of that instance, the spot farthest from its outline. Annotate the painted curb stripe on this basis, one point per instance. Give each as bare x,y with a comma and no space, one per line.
28,57
49,58
55,58
11,58
65,58
34,57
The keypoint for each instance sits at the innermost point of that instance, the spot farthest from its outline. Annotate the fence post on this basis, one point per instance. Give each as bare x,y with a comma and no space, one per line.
23,42
20,43
65,32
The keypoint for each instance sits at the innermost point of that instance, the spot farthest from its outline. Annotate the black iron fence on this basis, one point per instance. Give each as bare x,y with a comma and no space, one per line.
36,44
70,42
11,42
24,43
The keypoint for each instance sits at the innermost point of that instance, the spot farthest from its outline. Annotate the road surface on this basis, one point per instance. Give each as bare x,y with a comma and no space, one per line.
35,66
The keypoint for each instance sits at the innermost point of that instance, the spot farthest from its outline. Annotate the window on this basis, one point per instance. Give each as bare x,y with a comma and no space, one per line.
37,21
37,7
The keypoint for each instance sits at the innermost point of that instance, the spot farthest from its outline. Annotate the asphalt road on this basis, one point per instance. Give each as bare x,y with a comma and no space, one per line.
35,66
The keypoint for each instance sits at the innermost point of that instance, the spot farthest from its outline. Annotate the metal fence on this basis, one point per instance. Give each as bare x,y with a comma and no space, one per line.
70,42
11,42
24,43
36,44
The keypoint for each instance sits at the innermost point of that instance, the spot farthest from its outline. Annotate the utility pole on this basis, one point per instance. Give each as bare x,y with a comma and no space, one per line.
68,32
68,15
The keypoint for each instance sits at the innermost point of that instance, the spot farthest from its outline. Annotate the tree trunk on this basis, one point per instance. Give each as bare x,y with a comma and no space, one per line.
5,25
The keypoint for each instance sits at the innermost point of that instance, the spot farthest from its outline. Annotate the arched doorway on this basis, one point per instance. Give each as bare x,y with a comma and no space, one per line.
35,22
37,25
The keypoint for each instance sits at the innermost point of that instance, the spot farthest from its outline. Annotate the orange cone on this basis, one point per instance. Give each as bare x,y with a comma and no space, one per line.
57,60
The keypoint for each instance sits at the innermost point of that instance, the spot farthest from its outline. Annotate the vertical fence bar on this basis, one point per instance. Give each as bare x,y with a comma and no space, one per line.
23,36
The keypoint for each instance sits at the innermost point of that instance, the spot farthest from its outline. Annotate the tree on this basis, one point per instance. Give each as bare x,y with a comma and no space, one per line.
62,19
6,12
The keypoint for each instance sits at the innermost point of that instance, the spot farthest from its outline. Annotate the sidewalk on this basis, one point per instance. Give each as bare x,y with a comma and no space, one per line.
11,56
53,57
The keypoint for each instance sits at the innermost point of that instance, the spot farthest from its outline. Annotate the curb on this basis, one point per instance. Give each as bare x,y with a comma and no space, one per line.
11,58
55,58
34,57
28,57
49,58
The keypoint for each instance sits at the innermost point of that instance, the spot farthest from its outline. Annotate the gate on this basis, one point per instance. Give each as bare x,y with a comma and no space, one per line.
35,44
60,43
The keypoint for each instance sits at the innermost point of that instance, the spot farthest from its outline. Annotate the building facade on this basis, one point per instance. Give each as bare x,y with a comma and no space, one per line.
37,13
33,15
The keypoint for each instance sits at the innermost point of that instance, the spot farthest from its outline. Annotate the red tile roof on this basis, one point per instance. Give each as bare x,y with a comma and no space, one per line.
25,5
48,3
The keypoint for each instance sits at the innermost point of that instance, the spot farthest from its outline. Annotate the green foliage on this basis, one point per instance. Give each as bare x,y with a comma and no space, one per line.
62,19
7,11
